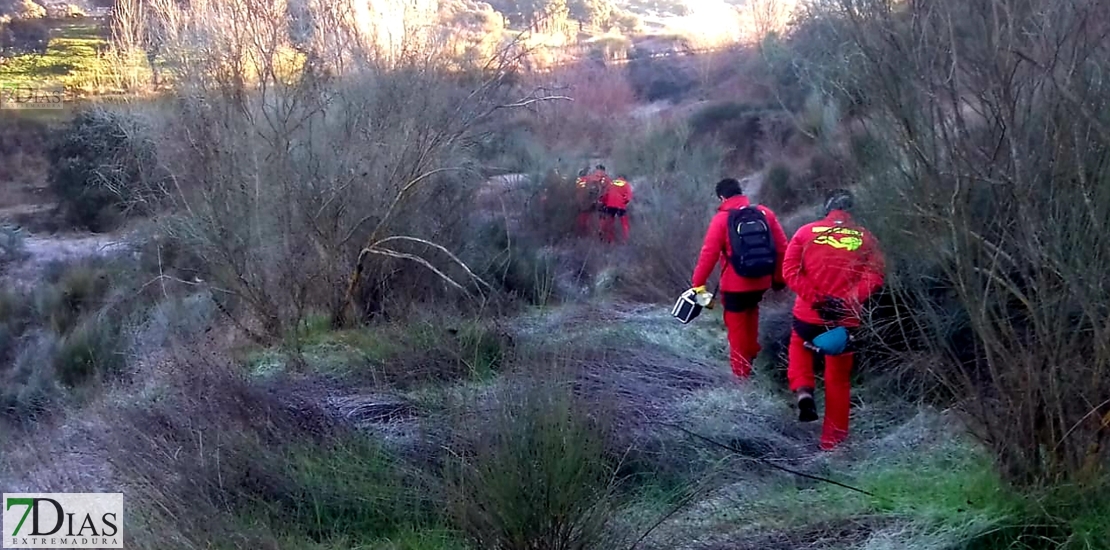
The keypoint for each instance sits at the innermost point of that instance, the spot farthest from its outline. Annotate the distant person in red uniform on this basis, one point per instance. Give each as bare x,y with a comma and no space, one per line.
614,204
834,266
599,177
749,244
585,199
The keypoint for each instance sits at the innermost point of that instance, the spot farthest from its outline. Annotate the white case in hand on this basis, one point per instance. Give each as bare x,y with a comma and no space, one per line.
687,307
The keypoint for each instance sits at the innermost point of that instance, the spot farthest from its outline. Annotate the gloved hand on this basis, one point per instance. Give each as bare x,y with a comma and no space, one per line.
702,296
831,309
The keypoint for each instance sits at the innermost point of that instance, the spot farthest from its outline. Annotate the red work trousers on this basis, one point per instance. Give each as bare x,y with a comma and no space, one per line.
584,222
838,387
743,340
608,221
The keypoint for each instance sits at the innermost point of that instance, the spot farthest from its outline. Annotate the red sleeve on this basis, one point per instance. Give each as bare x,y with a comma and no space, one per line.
874,266
711,249
781,243
792,271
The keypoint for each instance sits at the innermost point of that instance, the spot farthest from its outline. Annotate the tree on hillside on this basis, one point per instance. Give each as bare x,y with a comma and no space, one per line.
591,12
136,34
472,28
538,15
21,9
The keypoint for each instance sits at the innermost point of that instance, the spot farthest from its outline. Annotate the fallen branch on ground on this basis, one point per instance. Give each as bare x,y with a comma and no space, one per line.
732,449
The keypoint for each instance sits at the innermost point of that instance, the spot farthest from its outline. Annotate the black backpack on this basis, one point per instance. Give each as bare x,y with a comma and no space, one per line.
751,247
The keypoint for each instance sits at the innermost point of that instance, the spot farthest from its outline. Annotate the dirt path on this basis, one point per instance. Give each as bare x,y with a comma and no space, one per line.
43,250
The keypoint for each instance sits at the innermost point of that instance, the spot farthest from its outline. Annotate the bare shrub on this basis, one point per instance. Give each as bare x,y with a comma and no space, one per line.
597,116
994,205
329,180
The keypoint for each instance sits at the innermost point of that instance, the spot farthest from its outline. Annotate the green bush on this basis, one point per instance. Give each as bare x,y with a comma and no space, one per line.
537,477
78,291
778,190
97,161
92,349
659,78
519,266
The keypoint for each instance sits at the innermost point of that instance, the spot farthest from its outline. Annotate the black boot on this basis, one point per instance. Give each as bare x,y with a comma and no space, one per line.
807,408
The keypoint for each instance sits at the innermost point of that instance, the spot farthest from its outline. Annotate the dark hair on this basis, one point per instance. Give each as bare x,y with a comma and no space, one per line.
582,172
622,176
601,167
839,199
728,188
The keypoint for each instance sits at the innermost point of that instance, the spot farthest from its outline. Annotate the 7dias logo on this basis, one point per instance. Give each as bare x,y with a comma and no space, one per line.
63,520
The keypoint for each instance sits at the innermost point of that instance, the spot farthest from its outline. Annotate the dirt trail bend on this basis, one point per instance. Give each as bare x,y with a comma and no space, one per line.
43,250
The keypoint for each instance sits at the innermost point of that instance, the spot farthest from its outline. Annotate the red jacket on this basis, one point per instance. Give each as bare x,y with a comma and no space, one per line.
617,194
598,177
833,257
585,193
715,250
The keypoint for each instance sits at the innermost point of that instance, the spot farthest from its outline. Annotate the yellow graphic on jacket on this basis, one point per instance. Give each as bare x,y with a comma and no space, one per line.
619,182
839,237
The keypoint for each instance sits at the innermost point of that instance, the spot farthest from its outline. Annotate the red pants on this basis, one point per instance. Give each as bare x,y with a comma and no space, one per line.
838,387
583,222
608,220
743,340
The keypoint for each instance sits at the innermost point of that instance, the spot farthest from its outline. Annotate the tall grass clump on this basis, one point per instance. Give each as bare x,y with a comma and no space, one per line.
994,202
536,475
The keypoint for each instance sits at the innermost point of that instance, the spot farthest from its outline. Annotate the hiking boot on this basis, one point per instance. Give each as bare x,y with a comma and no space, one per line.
807,408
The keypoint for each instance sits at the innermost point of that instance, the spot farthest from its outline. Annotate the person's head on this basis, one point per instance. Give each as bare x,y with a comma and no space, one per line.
840,199
622,177
582,173
600,167
728,188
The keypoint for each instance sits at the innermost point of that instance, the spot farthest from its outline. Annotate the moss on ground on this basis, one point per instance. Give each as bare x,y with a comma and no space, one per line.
71,59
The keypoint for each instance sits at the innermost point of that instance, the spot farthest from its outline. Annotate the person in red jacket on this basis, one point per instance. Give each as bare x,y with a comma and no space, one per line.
599,177
740,295
834,266
614,204
585,198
